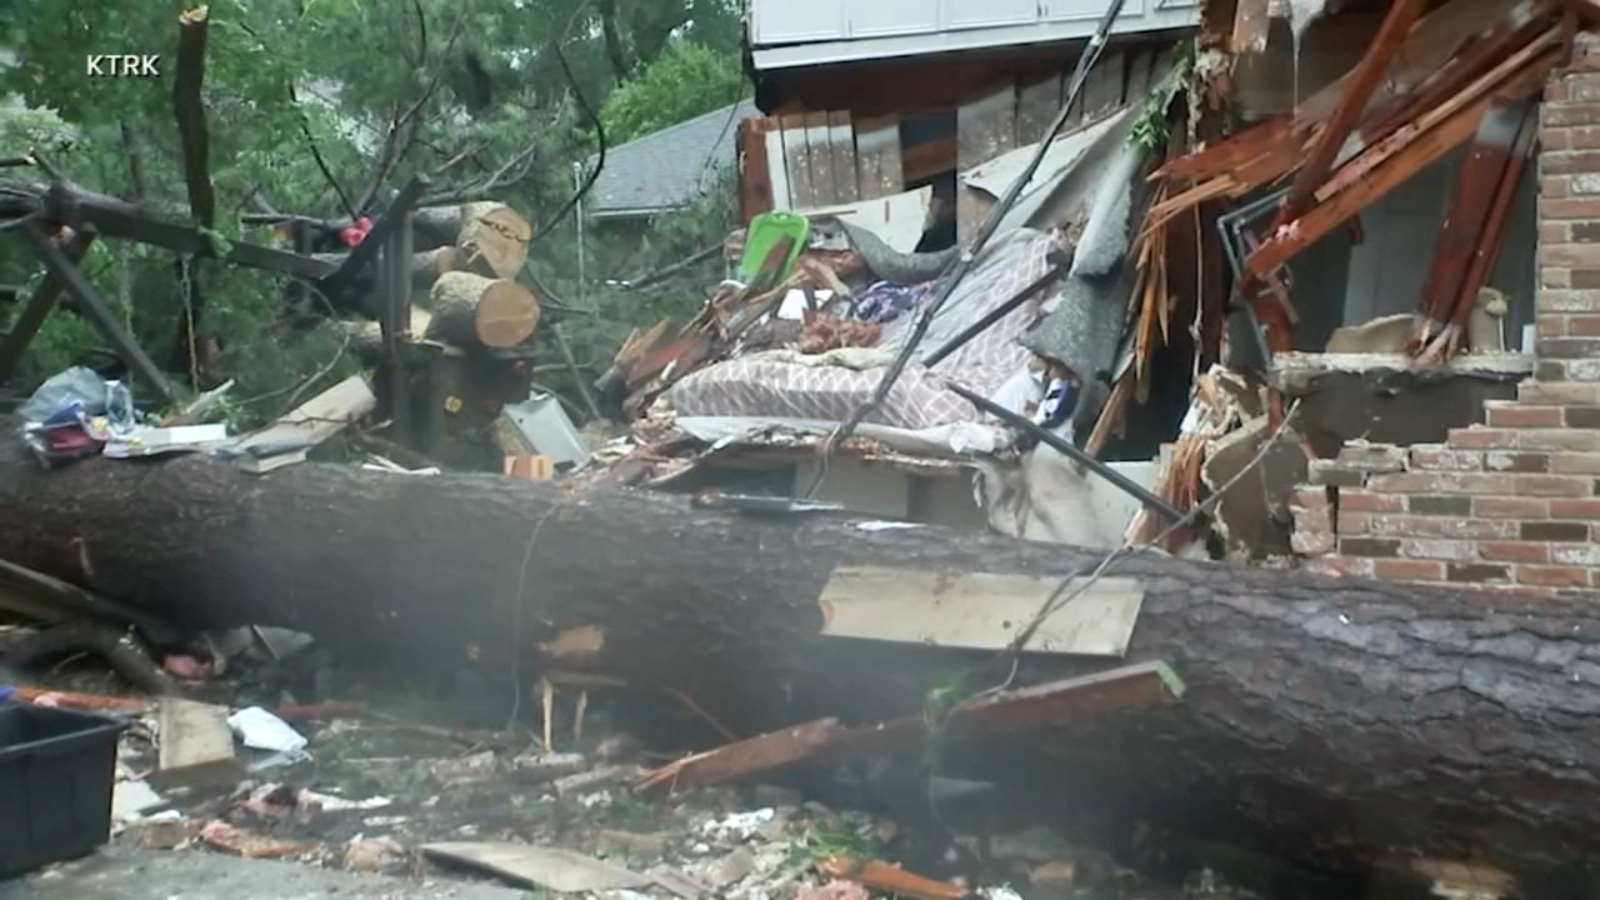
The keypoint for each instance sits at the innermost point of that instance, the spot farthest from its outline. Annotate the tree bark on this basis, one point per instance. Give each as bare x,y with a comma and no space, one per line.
1336,720
113,217
470,309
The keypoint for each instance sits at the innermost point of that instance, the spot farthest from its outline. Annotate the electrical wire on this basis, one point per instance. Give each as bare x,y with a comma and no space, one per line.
600,163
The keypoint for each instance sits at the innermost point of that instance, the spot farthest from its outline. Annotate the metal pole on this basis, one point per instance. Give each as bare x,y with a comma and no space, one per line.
577,183
1066,447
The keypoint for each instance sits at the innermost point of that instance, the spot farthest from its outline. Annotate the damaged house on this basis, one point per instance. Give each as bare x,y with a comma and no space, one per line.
1309,243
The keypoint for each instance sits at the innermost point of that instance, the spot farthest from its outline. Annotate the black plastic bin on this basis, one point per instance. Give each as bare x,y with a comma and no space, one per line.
57,770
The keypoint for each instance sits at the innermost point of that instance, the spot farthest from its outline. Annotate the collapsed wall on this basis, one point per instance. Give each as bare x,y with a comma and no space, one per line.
1512,503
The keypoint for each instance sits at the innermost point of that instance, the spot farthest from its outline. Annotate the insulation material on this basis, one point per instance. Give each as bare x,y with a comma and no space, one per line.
1082,327
760,385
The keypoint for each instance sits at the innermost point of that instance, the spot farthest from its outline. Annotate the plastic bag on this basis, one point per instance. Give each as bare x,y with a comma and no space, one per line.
78,384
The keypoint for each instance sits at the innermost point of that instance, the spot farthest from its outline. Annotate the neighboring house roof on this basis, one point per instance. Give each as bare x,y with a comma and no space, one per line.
666,169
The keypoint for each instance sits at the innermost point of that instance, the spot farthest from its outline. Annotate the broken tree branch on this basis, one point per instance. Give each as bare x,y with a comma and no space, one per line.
67,203
189,109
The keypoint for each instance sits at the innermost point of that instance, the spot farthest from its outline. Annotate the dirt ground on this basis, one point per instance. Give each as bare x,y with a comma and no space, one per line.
418,768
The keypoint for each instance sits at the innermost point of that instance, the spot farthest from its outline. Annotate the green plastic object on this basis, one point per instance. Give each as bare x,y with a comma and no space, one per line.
764,233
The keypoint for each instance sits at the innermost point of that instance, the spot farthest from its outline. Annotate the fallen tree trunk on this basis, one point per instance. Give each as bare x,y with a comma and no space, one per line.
366,337
1336,720
470,309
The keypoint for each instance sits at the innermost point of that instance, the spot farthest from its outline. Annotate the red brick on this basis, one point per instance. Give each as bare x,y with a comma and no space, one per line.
1333,473
1557,369
1429,458
1311,498
1482,439
1585,326
1338,567
1552,576
1358,500
1425,526
1372,457
1548,326
1579,440
1567,348
1503,461
1446,483
1514,551
1354,523
1575,509
1477,573
1567,113
1569,162
1408,569
1510,507
1524,416
1420,548
1575,554
1555,138
1555,232
1311,543
1543,394
1553,486
1575,463
1582,138
1570,255
1555,186
1555,91
1311,520
1560,206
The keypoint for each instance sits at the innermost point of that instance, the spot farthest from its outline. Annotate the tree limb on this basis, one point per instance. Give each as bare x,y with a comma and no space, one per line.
190,111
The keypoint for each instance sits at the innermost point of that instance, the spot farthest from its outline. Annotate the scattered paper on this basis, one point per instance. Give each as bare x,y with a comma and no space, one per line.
261,730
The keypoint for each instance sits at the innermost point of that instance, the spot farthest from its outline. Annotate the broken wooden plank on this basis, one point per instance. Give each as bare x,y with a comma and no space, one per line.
319,418
1363,81
892,880
1417,155
1476,187
797,161
1482,258
842,148
549,868
980,610
195,745
985,128
988,713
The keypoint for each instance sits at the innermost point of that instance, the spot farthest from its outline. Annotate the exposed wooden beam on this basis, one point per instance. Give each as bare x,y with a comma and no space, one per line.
1364,80
1417,154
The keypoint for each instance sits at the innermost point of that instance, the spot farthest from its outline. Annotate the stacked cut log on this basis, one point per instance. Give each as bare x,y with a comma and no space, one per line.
464,284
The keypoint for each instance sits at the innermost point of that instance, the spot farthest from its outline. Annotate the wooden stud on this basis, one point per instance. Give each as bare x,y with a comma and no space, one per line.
755,175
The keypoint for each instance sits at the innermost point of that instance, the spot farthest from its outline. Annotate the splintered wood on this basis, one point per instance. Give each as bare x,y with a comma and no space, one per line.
987,714
892,880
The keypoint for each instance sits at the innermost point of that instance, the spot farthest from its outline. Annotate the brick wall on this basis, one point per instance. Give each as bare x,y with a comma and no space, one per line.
1512,503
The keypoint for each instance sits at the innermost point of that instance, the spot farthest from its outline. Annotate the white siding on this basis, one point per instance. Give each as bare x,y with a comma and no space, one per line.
789,33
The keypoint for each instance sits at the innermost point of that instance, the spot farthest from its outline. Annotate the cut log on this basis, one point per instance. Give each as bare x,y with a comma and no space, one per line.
470,309
366,337
1335,720
494,231
492,239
